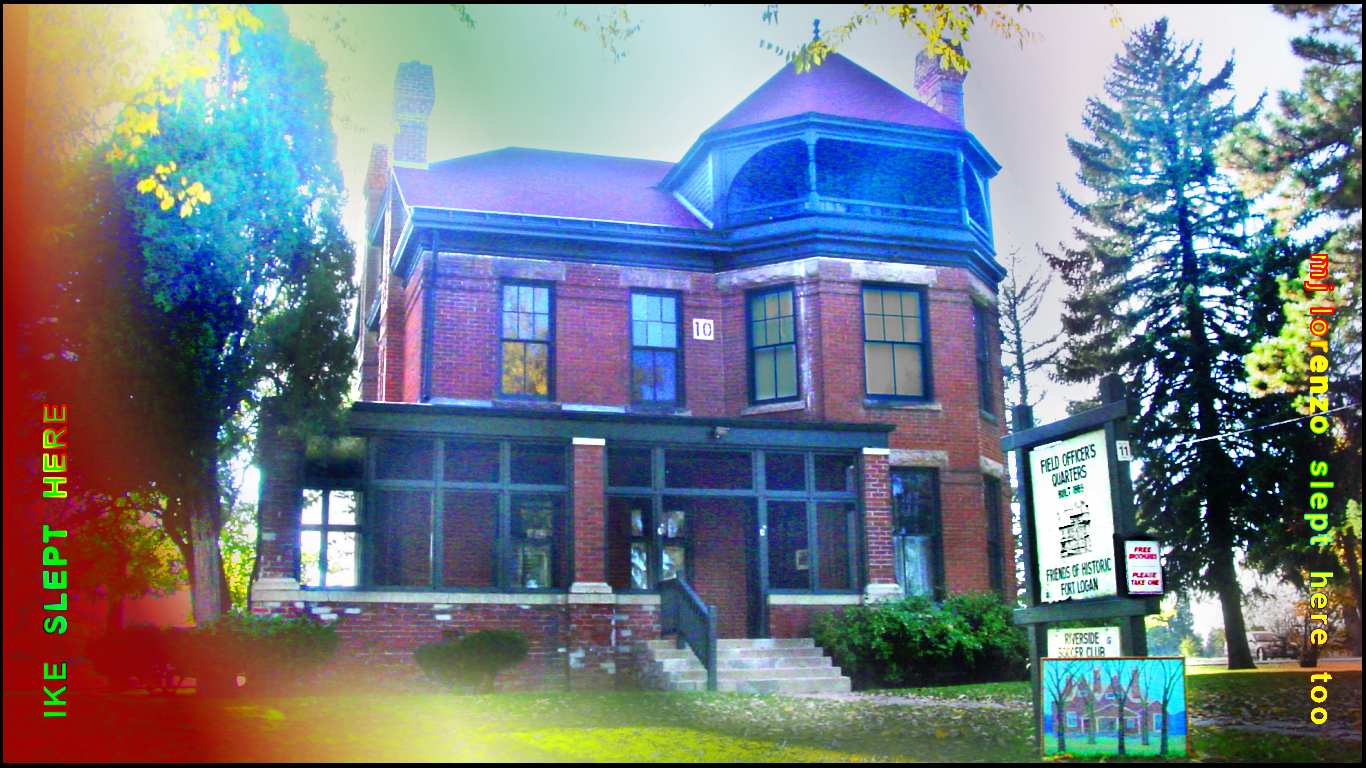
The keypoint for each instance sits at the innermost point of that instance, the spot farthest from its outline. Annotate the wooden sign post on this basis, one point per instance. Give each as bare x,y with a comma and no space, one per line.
1077,507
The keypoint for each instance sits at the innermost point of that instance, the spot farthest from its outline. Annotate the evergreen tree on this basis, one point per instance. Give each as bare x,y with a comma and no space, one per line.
1160,290
1307,159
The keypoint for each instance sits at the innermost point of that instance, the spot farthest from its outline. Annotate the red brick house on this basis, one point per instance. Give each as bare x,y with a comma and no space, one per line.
771,368
1092,709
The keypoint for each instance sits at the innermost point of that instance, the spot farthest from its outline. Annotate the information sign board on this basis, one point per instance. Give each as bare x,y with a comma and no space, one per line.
1073,518
1083,643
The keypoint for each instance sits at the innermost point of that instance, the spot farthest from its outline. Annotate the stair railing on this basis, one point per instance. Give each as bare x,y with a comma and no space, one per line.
682,612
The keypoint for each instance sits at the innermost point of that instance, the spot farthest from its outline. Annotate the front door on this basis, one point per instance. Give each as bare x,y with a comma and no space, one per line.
725,560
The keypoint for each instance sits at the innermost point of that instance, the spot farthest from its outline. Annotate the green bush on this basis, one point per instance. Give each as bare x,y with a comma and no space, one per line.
140,656
474,660
270,651
915,642
1005,646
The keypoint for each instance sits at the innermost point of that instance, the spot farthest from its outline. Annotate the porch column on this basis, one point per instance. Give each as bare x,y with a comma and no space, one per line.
877,525
280,460
591,609
590,485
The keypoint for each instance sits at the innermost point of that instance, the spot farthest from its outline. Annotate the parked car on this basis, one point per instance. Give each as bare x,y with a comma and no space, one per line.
1269,645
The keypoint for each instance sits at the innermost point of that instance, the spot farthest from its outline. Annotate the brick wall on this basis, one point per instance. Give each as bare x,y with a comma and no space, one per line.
592,353
796,620
576,646
721,560
280,459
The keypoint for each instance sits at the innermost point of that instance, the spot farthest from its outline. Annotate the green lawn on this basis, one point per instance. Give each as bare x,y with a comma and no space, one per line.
617,727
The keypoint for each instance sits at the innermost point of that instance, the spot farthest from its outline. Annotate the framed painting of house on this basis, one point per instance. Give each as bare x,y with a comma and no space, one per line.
1115,706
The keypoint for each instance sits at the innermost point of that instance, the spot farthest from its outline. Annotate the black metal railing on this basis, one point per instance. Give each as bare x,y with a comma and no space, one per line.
682,612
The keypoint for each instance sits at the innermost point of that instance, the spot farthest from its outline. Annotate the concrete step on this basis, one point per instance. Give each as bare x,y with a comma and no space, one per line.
764,653
767,642
756,674
794,685
740,643
769,665
772,662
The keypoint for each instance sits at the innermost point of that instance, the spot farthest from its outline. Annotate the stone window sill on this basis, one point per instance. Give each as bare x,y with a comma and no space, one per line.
755,410
897,406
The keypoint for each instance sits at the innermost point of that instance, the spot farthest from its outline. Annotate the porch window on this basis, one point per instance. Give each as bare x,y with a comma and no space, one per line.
996,558
981,325
468,514
527,341
895,344
773,346
328,531
915,532
672,511
655,347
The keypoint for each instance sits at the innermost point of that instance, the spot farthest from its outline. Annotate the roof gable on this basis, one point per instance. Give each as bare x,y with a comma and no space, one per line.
539,182
837,87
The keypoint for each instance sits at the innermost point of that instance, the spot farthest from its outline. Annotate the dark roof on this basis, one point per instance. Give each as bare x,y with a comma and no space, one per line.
540,182
837,87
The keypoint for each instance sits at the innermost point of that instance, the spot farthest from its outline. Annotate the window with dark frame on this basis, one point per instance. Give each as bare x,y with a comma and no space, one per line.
809,502
655,348
916,537
981,325
773,346
527,341
896,343
996,562
459,513
328,532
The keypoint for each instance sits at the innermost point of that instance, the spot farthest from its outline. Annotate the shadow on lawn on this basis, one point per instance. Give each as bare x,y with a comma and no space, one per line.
605,727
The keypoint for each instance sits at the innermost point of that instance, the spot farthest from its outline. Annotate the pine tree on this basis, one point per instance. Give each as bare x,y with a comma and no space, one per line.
1159,294
1307,159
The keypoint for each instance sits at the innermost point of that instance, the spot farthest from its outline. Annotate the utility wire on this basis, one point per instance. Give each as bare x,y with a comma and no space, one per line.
1267,426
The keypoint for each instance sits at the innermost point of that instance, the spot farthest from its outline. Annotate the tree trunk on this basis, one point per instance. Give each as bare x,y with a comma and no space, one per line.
1231,600
206,585
1351,616
113,618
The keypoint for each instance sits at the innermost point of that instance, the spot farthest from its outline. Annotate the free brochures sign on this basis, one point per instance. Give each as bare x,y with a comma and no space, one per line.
1073,521
1142,568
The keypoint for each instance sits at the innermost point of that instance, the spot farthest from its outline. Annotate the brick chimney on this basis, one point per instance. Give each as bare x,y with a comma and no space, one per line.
939,88
414,95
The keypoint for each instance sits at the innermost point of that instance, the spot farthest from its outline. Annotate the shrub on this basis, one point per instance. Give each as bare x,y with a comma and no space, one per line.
914,642
475,659
141,656
1005,646
270,651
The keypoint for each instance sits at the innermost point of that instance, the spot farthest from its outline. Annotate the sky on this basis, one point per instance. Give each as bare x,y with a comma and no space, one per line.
524,76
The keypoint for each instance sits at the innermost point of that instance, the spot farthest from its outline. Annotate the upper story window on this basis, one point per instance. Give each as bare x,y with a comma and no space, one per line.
528,337
655,347
981,325
896,343
773,346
